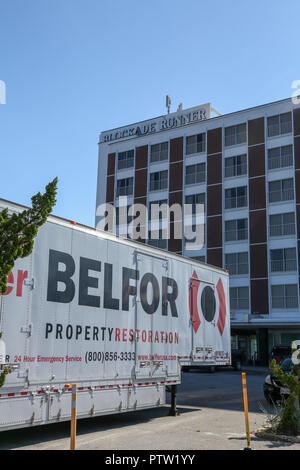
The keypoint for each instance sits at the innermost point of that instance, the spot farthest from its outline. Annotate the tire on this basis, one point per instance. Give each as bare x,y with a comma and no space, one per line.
212,369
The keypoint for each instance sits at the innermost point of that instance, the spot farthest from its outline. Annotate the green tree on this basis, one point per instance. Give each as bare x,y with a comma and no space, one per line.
17,233
290,417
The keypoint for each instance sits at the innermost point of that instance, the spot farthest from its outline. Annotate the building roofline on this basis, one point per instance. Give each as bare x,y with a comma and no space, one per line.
205,120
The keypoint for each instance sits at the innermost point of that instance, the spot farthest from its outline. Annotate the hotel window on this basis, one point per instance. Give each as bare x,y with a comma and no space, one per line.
125,187
284,296
280,157
199,258
161,210
281,190
159,152
235,135
194,199
159,180
236,197
280,124
236,166
239,298
282,224
157,239
195,174
283,259
237,263
195,144
122,216
236,230
125,159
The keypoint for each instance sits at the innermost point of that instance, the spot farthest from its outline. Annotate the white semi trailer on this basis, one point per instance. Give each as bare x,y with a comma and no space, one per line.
117,318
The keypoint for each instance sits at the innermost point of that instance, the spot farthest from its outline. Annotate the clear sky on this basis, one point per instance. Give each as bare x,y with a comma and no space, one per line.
73,68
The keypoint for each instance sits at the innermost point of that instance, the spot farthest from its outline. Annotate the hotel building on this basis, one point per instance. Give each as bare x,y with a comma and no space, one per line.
245,168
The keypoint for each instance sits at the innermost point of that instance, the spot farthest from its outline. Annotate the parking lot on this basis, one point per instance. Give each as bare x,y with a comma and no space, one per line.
211,418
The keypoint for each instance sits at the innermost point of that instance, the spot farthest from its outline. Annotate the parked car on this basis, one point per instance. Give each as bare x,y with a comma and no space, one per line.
274,391
280,352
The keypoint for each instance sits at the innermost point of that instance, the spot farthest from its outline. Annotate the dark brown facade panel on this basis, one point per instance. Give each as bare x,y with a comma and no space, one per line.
175,198
176,149
215,257
141,200
256,161
259,296
297,185
258,261
140,183
297,121
110,185
297,152
258,226
175,237
256,131
111,162
214,168
214,232
175,176
141,157
214,140
214,200
177,212
257,193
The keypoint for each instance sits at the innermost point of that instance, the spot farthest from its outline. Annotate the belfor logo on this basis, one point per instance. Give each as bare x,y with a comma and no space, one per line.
208,303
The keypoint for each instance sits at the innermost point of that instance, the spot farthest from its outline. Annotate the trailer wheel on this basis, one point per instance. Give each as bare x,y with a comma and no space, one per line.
212,369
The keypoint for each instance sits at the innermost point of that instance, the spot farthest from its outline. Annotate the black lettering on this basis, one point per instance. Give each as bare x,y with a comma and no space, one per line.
69,331
55,276
86,281
87,333
59,328
95,333
149,278
169,296
78,331
49,328
128,290
109,302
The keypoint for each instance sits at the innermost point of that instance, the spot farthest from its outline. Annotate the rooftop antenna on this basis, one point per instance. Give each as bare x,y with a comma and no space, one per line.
168,103
179,107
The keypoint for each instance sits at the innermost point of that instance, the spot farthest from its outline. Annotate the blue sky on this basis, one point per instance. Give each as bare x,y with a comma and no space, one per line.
73,68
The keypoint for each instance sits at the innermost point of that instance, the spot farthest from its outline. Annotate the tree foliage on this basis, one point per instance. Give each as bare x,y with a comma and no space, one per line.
290,418
17,233
18,230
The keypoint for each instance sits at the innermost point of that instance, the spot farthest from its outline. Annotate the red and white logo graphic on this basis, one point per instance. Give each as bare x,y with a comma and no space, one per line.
208,303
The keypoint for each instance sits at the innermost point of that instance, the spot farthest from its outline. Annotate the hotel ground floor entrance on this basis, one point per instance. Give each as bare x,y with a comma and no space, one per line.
255,344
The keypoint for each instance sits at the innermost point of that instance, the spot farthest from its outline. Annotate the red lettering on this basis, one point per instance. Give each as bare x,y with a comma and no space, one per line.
131,335
149,336
22,275
176,337
117,337
124,336
144,336
156,340
170,337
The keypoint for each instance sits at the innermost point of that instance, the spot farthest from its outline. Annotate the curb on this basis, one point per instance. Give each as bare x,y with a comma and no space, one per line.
265,434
